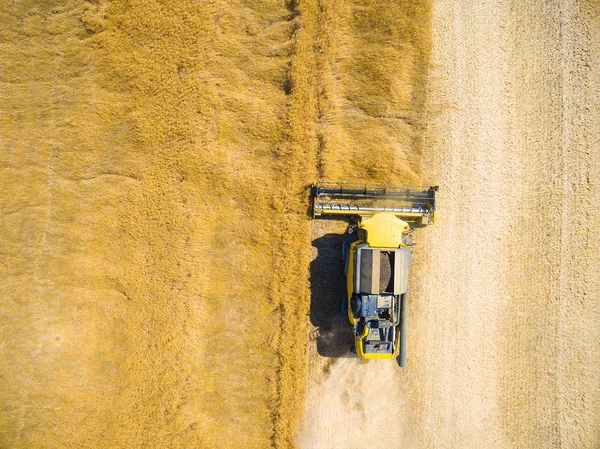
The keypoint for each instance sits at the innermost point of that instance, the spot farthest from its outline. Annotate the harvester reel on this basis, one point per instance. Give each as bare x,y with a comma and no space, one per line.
411,204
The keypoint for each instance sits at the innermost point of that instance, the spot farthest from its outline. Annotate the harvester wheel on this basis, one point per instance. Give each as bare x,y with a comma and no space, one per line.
356,305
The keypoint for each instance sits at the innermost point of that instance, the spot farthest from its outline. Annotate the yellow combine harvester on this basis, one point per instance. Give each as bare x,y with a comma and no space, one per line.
377,256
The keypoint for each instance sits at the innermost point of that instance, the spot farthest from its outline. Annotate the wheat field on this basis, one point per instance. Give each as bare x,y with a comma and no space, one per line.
155,240
162,284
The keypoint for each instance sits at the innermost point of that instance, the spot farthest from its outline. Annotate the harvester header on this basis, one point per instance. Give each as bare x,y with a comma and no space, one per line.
412,204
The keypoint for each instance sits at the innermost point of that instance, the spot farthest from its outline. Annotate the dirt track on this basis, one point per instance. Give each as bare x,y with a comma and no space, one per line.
504,320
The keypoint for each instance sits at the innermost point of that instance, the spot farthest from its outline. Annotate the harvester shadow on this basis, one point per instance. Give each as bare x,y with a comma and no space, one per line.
328,290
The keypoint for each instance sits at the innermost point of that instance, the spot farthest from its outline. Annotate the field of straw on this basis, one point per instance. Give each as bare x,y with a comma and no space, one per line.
162,284
154,240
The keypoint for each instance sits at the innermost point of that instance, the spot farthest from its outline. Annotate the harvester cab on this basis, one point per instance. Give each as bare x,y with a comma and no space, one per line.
377,254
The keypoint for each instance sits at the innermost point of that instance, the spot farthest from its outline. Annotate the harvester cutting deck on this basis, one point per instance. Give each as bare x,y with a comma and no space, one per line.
377,256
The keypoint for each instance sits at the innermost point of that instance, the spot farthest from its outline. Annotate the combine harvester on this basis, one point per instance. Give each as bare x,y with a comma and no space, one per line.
377,255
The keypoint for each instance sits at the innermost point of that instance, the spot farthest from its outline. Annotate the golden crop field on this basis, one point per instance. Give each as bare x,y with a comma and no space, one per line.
154,235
